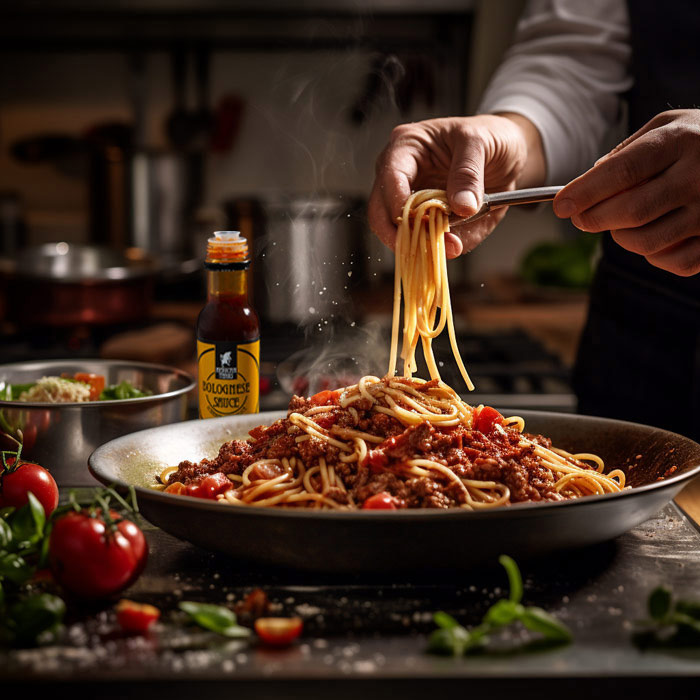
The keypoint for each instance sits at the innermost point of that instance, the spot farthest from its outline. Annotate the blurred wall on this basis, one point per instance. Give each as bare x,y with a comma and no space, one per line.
295,136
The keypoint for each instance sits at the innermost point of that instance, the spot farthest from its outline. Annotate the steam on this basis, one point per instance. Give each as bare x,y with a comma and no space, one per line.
338,359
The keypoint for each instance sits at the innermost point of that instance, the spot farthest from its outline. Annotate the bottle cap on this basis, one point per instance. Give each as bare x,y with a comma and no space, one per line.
227,250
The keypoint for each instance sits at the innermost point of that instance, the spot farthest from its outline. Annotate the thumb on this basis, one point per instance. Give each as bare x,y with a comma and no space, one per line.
465,181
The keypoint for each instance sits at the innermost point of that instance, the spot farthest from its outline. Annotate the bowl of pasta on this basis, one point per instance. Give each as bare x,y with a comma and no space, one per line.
394,474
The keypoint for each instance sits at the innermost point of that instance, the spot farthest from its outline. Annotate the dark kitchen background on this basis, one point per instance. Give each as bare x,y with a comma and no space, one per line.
130,130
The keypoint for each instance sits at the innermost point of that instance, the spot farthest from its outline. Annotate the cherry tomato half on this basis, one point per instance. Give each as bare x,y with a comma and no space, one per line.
90,560
27,477
486,418
136,617
380,501
278,631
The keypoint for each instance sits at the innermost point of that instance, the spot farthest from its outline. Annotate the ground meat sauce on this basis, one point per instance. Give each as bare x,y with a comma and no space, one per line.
496,456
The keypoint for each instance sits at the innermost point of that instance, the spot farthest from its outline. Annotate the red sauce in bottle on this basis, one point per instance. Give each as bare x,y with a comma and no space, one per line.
228,332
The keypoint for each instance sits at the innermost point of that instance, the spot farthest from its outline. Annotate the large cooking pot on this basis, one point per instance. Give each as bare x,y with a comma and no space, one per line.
66,285
309,258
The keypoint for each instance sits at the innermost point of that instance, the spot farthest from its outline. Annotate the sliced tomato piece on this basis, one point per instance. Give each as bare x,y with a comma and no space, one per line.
278,631
178,488
209,487
325,398
136,617
96,382
486,418
380,501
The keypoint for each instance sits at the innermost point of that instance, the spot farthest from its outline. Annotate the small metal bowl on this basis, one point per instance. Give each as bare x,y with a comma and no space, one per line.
62,436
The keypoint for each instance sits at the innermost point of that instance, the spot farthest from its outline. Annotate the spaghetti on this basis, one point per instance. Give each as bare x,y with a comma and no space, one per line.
414,442
397,442
420,276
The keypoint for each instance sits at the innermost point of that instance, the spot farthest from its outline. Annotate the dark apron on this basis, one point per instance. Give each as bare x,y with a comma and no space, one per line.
639,356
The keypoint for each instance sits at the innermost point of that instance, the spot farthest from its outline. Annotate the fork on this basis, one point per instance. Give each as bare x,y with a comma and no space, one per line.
495,200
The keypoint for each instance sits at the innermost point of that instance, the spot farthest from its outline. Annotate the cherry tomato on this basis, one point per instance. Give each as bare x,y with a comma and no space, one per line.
136,617
324,398
28,476
91,560
380,501
96,382
278,631
486,418
209,487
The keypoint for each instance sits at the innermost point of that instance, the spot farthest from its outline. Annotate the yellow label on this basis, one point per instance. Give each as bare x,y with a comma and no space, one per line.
228,378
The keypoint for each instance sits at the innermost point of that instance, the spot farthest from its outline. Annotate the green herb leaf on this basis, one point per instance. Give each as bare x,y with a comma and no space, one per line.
502,613
215,618
659,603
5,534
537,620
442,619
121,391
37,511
691,608
39,614
13,567
449,641
515,580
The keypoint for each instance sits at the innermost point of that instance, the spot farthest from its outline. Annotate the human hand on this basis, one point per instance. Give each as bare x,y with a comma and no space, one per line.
646,192
465,156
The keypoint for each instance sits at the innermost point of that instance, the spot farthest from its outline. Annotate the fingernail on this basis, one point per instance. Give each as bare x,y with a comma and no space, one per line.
576,221
564,207
466,201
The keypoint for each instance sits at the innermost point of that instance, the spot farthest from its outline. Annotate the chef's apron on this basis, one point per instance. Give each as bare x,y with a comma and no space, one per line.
639,355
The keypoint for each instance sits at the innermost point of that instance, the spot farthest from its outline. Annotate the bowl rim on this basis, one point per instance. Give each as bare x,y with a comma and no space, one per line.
189,382
525,509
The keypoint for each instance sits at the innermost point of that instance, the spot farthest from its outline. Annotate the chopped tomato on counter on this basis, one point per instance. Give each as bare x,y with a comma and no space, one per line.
380,501
278,631
136,617
486,418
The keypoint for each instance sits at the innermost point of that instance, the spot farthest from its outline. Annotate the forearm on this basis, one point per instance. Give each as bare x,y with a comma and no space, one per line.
564,75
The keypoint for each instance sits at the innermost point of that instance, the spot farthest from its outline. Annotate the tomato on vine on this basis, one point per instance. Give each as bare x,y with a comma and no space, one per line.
18,478
95,552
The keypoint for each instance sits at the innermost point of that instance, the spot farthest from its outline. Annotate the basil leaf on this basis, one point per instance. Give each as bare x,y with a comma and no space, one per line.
37,511
691,608
515,580
215,618
442,619
659,603
24,527
537,620
14,568
31,617
5,534
449,641
503,612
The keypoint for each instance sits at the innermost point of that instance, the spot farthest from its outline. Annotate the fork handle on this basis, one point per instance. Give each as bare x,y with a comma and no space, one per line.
531,195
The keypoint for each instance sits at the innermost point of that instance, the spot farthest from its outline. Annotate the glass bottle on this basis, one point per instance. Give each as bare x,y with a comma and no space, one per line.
228,332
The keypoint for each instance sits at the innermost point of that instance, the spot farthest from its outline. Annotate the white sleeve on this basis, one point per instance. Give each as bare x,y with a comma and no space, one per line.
565,72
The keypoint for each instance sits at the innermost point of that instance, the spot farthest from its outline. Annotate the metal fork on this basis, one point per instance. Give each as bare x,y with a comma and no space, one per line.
504,199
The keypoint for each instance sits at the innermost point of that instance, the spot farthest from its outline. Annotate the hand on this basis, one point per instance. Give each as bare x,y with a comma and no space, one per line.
646,192
464,155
